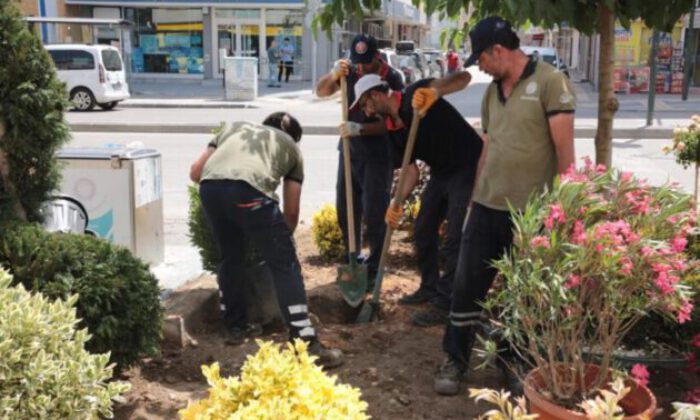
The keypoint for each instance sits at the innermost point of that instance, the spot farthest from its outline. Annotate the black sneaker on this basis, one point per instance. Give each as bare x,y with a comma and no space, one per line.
236,336
447,379
417,297
325,357
430,317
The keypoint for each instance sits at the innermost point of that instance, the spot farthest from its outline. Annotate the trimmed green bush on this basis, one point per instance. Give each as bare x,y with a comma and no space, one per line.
32,101
45,372
118,298
200,233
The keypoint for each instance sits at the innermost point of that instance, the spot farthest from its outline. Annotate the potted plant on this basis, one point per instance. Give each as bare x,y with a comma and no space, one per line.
590,258
686,147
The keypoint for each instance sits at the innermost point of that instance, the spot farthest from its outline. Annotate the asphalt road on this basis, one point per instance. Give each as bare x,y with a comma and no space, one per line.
643,157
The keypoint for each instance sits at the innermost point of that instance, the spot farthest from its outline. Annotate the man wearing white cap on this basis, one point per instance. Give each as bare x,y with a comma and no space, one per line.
451,147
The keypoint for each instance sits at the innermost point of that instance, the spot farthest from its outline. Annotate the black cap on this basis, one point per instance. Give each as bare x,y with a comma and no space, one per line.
489,32
363,49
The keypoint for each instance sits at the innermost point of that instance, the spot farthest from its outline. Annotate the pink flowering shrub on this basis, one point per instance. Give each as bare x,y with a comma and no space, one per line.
686,143
591,258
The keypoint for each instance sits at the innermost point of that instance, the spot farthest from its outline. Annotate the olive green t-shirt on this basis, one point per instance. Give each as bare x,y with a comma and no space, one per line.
521,158
257,154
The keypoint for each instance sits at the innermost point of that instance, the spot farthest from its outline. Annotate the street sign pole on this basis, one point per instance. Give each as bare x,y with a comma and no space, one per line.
652,76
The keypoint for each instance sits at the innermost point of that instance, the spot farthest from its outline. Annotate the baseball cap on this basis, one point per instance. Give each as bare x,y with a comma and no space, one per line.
366,83
363,49
488,32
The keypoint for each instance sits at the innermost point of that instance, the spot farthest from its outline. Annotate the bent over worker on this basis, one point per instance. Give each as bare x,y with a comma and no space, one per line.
238,174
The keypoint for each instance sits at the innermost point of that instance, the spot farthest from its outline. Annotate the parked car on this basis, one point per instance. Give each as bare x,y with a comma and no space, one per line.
437,61
389,56
548,55
408,49
93,74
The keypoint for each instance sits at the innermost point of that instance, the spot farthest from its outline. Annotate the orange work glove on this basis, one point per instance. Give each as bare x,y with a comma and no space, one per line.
393,217
424,98
340,69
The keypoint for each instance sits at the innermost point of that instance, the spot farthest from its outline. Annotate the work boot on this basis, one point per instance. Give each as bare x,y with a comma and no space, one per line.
237,335
416,298
430,317
447,379
327,358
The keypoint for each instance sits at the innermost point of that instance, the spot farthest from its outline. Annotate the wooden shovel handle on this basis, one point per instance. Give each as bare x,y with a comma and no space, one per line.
348,171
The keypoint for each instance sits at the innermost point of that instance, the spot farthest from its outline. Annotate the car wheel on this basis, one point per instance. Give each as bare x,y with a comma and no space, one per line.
83,99
108,105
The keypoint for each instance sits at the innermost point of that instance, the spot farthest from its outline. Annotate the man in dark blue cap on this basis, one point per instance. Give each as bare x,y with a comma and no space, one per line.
371,165
527,117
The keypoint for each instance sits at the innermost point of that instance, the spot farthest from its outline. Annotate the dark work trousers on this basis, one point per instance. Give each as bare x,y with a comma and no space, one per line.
286,67
487,236
371,187
238,212
445,196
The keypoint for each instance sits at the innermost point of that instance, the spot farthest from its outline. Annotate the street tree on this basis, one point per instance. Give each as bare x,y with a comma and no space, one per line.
32,128
587,16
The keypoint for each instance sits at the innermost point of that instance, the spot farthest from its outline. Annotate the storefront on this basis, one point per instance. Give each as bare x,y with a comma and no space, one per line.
632,60
184,40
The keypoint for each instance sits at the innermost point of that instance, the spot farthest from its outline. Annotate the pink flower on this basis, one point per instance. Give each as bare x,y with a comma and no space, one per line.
626,266
678,244
600,168
696,340
540,242
587,162
626,176
647,251
664,285
579,233
556,214
573,281
640,374
684,312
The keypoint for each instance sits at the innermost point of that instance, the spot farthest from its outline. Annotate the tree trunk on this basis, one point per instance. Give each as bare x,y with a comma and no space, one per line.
5,182
607,103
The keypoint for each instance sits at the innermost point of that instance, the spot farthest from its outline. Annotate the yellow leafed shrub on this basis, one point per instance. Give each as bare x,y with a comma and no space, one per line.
277,384
326,233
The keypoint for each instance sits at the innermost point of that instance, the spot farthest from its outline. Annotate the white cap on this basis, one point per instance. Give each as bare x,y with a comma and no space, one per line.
366,82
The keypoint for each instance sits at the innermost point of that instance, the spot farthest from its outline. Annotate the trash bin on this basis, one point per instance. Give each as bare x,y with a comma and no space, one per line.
241,78
122,192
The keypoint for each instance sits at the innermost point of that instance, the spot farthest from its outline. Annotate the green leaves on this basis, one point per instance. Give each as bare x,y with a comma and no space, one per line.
118,298
32,101
45,371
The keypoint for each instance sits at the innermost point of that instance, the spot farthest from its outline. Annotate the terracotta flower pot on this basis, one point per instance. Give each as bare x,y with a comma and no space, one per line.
639,404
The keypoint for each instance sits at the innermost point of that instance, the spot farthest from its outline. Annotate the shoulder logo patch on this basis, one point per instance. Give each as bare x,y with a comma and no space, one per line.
531,88
565,98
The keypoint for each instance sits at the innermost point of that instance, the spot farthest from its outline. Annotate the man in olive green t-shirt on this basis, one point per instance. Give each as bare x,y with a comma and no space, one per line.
527,118
238,175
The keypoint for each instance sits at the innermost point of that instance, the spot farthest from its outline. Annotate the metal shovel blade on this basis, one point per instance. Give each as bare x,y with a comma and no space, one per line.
352,280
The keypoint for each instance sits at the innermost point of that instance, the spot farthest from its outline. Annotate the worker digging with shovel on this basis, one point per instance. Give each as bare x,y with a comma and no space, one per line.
364,169
451,147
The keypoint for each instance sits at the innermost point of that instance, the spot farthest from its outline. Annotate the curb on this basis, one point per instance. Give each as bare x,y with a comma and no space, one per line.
660,133
214,105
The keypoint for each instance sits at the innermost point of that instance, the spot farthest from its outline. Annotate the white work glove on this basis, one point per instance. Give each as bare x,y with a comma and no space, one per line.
340,69
350,129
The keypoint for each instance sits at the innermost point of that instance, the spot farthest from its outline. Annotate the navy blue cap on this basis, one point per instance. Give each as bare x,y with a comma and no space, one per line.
487,33
363,49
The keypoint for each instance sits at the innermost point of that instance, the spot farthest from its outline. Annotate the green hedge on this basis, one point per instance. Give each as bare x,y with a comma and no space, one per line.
119,299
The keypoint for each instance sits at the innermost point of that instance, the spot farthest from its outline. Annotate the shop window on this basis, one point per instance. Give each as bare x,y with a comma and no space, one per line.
281,24
167,41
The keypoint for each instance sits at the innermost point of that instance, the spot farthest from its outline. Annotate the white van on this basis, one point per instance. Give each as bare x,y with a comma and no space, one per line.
93,74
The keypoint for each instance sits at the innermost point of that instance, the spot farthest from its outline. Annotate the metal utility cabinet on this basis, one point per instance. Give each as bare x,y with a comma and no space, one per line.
122,192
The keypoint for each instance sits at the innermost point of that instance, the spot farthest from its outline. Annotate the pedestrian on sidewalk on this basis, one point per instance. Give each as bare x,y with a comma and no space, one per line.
451,148
287,62
452,61
371,166
273,62
238,175
527,116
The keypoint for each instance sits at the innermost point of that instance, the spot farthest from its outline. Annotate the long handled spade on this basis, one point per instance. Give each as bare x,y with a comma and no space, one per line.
352,278
370,309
